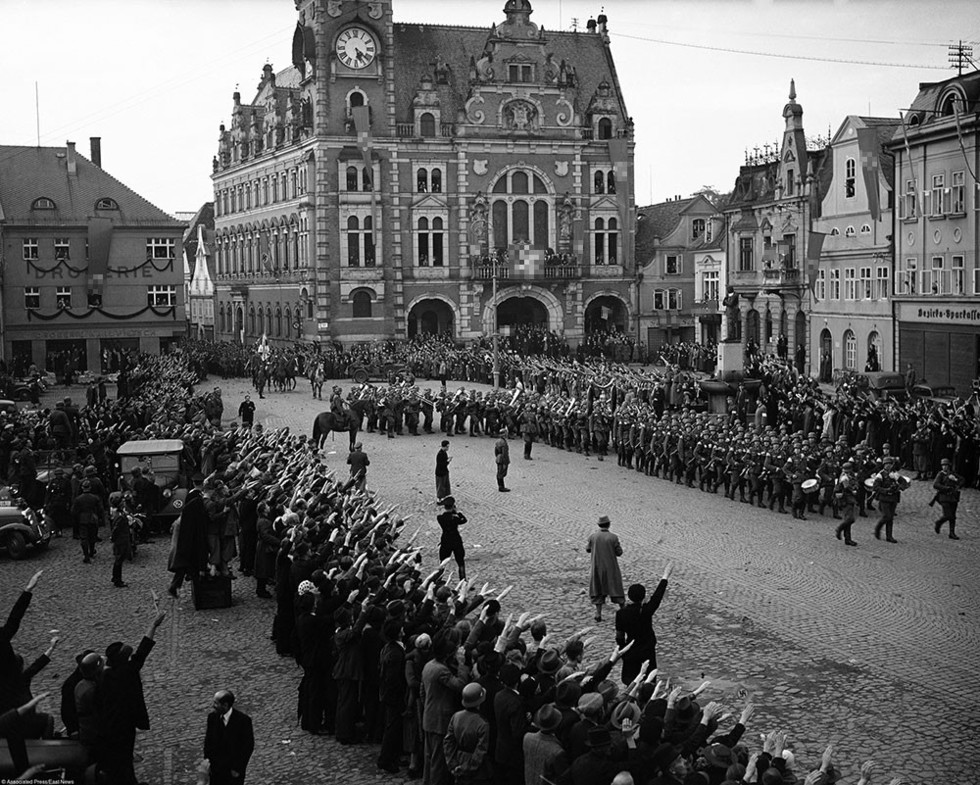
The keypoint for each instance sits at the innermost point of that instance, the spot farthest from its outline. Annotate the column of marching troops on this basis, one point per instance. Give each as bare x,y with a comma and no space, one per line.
791,471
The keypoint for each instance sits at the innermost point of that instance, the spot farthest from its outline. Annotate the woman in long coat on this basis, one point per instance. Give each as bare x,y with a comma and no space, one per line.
189,543
606,580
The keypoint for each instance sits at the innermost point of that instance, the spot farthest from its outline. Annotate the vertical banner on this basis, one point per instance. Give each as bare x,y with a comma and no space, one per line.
868,150
362,125
99,244
814,247
619,155
527,261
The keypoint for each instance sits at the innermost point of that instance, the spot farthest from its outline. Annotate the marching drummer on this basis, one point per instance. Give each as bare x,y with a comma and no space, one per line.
887,487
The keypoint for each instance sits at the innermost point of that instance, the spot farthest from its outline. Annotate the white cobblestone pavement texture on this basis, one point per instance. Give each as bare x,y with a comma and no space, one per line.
871,648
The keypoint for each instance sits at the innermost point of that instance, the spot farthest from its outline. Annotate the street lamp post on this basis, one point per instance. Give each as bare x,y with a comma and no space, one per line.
496,346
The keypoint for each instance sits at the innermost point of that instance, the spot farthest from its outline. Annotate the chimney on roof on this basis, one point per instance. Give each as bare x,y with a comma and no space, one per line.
72,163
590,25
95,145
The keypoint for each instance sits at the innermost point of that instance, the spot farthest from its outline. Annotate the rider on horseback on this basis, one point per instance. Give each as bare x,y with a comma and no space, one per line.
337,405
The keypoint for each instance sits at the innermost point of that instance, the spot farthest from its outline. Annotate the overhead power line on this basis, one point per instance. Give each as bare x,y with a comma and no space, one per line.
753,53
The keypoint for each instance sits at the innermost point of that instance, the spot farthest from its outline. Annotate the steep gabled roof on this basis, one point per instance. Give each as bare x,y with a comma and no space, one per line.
27,173
655,222
418,46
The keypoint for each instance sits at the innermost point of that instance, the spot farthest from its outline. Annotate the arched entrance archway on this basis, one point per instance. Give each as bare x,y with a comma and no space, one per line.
752,325
541,297
516,311
606,313
431,316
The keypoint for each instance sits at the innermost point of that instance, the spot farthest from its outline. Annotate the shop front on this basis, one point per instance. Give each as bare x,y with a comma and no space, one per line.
941,341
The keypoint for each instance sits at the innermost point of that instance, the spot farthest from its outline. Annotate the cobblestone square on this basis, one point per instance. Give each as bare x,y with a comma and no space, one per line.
871,648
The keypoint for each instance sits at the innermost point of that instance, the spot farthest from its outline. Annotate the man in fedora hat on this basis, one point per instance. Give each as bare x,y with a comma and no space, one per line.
544,757
605,580
501,451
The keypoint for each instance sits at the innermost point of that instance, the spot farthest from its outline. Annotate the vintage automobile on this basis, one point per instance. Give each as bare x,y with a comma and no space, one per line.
162,456
389,372
21,528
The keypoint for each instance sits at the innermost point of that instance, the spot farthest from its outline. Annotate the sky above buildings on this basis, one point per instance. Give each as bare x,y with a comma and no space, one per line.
703,79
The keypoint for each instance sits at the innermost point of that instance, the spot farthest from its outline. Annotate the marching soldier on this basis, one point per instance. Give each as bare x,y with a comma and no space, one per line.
947,487
845,493
889,493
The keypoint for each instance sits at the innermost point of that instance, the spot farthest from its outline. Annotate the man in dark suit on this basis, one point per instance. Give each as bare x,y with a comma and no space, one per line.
392,693
124,704
511,717
634,624
229,741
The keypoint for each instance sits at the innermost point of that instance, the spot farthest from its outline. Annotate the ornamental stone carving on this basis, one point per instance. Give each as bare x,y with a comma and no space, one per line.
521,116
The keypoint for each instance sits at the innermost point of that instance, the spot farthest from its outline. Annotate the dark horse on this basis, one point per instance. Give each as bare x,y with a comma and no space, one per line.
349,421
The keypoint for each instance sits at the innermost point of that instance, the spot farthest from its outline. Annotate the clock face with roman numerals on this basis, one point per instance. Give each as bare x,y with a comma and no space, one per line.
356,48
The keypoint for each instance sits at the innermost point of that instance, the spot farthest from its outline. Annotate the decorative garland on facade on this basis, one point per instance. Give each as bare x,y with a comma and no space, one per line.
170,311
167,265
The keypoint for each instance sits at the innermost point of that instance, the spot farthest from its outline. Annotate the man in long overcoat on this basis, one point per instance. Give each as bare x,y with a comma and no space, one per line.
189,546
606,580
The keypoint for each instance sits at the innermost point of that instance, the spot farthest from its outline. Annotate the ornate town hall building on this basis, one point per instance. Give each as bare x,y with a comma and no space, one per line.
377,187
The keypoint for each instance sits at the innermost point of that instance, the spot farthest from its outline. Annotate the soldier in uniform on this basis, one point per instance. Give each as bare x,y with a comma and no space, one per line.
501,453
947,487
889,493
412,410
529,429
845,493
826,474
428,410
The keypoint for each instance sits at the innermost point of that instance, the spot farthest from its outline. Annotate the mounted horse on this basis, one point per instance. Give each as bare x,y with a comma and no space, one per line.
348,421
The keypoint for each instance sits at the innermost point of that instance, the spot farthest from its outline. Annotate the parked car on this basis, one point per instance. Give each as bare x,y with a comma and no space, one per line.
7,406
20,389
883,384
364,372
21,528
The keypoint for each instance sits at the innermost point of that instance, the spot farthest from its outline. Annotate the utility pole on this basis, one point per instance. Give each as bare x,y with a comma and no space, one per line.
959,55
496,347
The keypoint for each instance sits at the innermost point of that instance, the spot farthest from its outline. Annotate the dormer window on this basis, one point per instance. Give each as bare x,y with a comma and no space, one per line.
106,204
518,72
849,231
697,228
605,128
866,229
427,124
43,203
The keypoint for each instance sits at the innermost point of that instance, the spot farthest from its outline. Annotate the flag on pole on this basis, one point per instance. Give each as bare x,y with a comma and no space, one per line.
527,260
868,150
606,313
814,248
362,125
908,154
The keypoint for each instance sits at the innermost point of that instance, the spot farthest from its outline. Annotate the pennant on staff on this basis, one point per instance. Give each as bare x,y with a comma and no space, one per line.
814,247
362,125
868,149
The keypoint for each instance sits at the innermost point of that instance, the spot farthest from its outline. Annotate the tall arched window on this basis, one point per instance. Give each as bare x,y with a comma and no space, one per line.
427,124
221,318
353,242
251,320
352,178
599,240
599,183
437,181
268,320
605,128
850,350
423,242
422,180
849,178
361,302
437,237
278,322
526,219
611,182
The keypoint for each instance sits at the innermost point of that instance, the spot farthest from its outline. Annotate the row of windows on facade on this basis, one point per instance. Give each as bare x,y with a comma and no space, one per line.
156,248
746,251
156,296
512,223
274,188
938,277
938,201
252,252
282,324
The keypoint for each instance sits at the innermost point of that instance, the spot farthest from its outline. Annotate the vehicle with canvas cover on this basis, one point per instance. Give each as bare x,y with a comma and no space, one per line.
163,458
